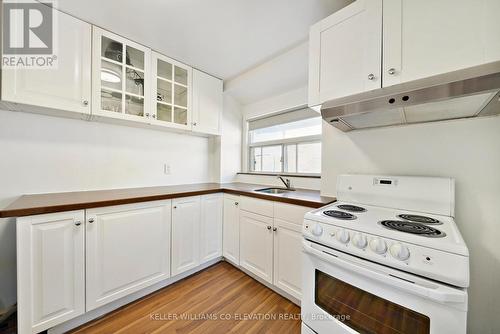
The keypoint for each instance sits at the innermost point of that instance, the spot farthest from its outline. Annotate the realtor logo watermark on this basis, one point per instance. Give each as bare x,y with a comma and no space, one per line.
28,34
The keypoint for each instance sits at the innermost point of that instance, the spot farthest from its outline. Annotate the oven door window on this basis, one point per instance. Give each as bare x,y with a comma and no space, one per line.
365,312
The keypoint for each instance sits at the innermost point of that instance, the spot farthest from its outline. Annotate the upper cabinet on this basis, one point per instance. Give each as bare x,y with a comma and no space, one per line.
121,77
171,93
207,103
345,52
64,90
425,38
366,46
103,76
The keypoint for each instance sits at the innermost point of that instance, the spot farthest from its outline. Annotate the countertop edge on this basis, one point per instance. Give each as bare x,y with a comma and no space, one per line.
22,212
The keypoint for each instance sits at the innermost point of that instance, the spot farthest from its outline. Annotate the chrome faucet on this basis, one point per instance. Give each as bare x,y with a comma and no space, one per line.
286,182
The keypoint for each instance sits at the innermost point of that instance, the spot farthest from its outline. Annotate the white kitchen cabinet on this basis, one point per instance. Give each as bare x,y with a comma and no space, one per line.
127,249
256,244
185,234
425,38
171,92
288,220
50,270
231,229
211,227
366,46
345,52
288,257
207,103
64,90
121,72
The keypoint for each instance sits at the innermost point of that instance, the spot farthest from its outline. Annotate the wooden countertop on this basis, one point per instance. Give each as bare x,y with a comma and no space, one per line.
27,205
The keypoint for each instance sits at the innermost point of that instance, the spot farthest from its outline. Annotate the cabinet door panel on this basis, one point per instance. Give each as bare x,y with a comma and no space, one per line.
121,80
344,50
128,248
211,227
50,270
425,38
288,257
207,103
256,244
231,230
185,234
171,92
66,87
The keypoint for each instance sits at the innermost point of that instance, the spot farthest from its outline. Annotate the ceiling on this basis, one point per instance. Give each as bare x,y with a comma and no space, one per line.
222,37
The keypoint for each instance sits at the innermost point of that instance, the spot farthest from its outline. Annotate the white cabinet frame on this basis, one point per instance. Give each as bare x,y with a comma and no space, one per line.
122,116
50,269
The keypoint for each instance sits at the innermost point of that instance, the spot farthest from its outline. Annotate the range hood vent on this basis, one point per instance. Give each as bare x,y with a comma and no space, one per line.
466,93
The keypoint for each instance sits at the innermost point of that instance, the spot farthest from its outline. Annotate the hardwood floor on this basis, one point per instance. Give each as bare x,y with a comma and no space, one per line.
220,299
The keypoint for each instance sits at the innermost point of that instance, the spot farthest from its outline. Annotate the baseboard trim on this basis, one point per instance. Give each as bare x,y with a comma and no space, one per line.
105,309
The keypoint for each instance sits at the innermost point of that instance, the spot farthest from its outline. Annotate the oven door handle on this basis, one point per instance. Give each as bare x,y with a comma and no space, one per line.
438,292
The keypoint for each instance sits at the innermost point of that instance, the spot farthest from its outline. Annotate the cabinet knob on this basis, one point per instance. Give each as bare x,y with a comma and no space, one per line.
147,114
275,229
269,227
371,76
91,220
392,71
194,123
236,203
175,206
78,223
85,102
154,116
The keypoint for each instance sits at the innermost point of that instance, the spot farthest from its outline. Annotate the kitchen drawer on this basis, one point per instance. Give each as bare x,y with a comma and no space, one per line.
258,206
290,213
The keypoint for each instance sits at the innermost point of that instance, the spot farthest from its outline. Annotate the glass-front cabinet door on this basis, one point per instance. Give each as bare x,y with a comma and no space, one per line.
121,77
171,92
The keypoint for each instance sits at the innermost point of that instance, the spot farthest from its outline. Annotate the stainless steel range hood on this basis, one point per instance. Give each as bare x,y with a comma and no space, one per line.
466,93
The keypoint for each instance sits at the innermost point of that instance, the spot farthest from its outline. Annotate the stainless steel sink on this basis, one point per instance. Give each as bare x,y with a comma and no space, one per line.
274,190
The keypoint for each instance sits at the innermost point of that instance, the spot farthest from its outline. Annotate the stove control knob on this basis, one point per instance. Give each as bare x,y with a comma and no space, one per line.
317,230
400,251
359,241
343,236
378,246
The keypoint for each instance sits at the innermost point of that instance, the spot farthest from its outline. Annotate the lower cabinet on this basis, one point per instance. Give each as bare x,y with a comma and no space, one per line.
185,234
288,257
231,229
127,249
271,247
211,227
50,270
196,231
256,244
72,262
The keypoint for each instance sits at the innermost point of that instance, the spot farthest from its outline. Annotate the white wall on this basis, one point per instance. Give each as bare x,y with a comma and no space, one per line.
230,140
42,154
469,151
277,103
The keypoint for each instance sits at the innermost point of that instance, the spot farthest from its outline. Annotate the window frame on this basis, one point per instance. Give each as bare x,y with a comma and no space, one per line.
283,143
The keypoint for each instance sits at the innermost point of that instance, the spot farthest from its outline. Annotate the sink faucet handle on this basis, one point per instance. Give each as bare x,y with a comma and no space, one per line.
287,182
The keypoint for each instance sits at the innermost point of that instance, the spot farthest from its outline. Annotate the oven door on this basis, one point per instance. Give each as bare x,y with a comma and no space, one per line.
345,294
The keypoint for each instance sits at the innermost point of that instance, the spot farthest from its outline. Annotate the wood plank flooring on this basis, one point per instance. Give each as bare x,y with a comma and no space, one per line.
220,299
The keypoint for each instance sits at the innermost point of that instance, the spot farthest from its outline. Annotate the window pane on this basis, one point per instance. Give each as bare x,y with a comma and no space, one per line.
309,158
306,127
135,57
164,70
255,159
271,158
291,158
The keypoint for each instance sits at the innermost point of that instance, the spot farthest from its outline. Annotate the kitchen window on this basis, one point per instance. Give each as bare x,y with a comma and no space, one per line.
285,143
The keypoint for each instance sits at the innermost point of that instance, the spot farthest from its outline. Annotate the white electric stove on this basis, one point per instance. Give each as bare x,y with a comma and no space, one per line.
386,258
